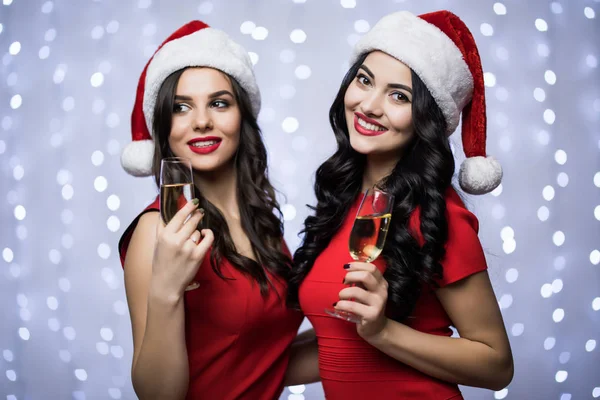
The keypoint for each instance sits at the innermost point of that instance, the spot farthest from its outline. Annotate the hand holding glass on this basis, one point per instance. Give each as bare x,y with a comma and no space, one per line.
368,234
176,190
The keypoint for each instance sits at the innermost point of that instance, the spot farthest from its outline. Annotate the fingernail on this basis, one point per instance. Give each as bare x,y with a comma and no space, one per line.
201,210
334,303
346,266
196,202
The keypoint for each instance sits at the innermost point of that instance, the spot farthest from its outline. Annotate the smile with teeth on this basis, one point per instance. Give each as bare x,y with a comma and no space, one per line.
205,143
369,126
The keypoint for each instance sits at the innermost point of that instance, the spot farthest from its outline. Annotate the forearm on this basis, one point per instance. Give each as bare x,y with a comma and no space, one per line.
456,360
161,370
303,366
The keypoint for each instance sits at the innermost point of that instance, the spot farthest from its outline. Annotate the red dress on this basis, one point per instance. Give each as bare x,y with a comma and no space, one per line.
351,368
237,340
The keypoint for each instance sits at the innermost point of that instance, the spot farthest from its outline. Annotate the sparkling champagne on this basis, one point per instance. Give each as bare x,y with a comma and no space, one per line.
174,197
368,236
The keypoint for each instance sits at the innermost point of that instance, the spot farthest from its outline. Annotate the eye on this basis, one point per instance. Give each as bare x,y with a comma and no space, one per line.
363,80
219,104
400,97
180,108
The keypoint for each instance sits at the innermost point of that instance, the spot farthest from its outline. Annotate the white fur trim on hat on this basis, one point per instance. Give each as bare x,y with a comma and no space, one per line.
479,175
137,156
430,53
207,47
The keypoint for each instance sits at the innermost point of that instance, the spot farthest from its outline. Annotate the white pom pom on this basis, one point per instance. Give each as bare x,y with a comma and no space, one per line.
479,175
137,156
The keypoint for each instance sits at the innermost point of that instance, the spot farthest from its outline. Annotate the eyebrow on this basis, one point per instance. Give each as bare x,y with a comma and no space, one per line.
210,96
221,93
390,85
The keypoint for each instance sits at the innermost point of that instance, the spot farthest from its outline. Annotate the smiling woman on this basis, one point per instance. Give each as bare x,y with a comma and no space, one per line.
410,79
230,338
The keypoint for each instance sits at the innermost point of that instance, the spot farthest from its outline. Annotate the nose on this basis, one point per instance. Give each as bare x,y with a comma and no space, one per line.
372,104
202,121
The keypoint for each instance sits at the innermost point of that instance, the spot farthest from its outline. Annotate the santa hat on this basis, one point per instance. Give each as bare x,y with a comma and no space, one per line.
193,45
440,49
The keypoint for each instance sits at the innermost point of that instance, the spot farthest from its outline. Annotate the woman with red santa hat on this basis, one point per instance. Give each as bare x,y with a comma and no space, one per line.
411,79
229,338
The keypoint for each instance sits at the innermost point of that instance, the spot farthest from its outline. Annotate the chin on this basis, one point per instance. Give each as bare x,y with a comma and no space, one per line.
204,165
361,145
211,164
362,150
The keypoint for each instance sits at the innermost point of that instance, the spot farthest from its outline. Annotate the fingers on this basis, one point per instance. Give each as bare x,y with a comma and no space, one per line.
364,274
198,244
372,299
356,308
195,237
357,294
190,225
180,217
205,242
366,279
361,266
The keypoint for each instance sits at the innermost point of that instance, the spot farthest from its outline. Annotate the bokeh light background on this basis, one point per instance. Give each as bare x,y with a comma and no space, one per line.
69,70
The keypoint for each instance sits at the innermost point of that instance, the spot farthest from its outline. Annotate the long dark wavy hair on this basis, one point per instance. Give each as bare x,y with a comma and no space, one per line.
419,180
259,210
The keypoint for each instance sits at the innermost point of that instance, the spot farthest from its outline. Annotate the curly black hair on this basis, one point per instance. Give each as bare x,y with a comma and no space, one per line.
419,180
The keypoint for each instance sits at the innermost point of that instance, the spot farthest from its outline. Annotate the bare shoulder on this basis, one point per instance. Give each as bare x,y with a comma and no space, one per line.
147,224
143,237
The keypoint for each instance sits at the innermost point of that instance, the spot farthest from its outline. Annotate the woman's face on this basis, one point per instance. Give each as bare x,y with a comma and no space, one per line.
378,107
206,119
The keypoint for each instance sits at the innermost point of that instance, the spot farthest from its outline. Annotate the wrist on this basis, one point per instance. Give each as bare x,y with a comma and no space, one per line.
380,338
159,295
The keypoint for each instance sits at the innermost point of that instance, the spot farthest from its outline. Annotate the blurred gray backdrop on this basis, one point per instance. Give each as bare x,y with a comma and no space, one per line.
69,70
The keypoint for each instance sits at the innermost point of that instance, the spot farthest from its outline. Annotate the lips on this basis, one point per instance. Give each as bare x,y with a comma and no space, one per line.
204,145
368,127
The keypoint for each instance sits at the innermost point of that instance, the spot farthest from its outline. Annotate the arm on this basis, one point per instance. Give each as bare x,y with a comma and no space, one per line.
158,370
480,357
155,300
303,366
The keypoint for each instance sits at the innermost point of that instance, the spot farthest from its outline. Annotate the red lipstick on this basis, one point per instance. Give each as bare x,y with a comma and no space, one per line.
367,132
204,149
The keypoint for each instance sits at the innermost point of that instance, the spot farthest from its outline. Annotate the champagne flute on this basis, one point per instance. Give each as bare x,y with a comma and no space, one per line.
176,189
368,234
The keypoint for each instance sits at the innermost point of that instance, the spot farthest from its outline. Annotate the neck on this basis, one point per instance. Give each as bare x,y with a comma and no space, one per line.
376,169
220,188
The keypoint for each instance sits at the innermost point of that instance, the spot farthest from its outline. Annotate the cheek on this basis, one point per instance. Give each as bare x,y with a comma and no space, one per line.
233,141
352,97
230,126
401,118
179,125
